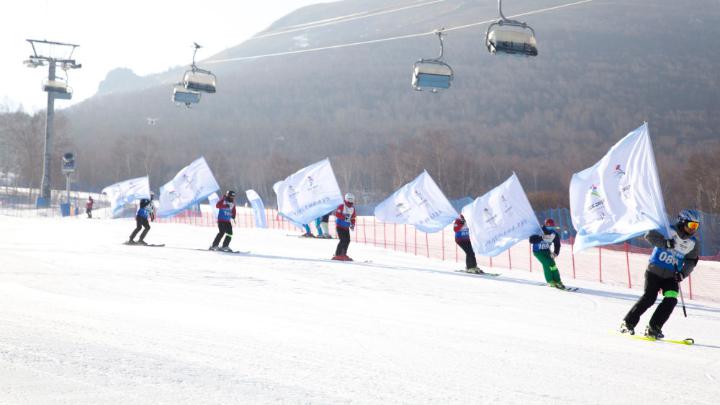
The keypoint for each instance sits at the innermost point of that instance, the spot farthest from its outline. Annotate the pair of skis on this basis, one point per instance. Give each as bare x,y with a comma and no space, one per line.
686,341
204,250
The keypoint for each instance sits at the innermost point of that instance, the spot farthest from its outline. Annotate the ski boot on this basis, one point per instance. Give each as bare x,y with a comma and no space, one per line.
475,270
130,242
653,333
347,258
552,284
213,248
141,242
625,328
336,257
225,249
559,285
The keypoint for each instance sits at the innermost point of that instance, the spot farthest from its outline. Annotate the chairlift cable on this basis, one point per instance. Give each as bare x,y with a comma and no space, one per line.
394,38
342,19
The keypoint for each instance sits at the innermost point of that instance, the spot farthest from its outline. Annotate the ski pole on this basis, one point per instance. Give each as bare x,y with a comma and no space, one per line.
682,300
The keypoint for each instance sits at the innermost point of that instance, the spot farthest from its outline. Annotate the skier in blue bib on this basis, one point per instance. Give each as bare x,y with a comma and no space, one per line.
146,210
671,261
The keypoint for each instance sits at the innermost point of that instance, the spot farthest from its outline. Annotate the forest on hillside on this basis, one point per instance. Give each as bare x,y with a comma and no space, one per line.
603,69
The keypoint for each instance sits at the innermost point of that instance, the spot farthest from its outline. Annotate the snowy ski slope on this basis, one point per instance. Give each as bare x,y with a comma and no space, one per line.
87,320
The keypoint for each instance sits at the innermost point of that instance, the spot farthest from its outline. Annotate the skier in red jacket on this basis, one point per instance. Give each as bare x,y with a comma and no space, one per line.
344,222
226,213
462,238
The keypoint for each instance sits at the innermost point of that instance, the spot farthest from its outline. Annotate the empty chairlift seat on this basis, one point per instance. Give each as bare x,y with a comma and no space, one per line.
507,41
181,95
59,89
200,80
431,75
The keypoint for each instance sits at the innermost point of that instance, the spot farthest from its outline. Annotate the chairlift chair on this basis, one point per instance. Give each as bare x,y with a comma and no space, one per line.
510,37
432,74
182,95
59,88
199,80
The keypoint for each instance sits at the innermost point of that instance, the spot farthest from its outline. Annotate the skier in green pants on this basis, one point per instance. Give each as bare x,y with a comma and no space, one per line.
541,246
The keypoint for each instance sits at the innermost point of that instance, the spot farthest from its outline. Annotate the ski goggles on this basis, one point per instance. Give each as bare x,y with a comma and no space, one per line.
693,225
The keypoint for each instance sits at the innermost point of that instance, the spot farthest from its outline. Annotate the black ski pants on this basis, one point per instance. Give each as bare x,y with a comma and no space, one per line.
653,284
342,246
141,223
88,211
225,228
466,246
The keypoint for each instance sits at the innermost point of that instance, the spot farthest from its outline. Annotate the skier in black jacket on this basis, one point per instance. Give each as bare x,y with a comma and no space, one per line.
671,261
145,211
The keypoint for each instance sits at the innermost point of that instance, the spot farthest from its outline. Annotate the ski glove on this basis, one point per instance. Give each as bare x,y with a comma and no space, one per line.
553,255
669,243
679,276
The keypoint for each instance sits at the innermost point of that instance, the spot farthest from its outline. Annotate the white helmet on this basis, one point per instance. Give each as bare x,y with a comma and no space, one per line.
350,197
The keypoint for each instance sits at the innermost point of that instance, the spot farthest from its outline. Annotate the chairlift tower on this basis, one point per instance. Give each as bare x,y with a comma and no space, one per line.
55,88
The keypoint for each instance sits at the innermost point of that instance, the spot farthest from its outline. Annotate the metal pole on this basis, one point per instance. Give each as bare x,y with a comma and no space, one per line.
67,187
50,116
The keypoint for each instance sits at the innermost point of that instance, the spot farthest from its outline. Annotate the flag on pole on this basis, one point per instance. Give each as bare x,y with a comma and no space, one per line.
309,193
619,197
258,208
191,185
500,218
126,192
420,203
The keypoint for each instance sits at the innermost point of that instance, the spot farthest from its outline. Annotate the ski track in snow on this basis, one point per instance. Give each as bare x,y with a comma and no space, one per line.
87,320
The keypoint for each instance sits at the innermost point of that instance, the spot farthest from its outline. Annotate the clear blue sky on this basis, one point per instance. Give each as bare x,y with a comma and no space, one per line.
146,36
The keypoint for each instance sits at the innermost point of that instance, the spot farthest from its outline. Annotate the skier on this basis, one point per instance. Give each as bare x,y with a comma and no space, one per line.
89,206
344,223
541,246
226,213
462,238
308,233
322,226
671,261
146,210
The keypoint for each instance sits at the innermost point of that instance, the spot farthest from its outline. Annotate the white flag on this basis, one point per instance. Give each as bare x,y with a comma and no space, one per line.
191,185
126,192
619,197
420,203
500,218
309,193
258,208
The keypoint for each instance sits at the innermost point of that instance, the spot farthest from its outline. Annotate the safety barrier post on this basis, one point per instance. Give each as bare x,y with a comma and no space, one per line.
572,255
627,260
509,260
384,237
530,256
415,241
600,262
395,237
405,229
442,244
364,231
427,245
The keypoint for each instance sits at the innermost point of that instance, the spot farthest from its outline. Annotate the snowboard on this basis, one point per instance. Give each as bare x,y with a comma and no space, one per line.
476,274
140,244
686,341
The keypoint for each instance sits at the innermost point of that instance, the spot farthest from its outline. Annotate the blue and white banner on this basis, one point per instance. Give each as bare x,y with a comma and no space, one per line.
309,193
619,197
500,218
126,192
191,185
420,203
213,199
258,208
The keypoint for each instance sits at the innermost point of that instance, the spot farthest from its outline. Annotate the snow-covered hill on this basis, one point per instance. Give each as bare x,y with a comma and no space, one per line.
87,320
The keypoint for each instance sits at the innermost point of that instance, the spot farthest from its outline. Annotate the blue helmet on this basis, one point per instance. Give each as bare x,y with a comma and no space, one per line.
689,215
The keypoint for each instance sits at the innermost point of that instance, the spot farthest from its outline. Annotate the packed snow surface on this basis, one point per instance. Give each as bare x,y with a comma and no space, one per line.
85,319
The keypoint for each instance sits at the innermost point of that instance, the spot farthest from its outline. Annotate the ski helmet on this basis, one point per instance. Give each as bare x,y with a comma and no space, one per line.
350,198
550,223
230,194
690,219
